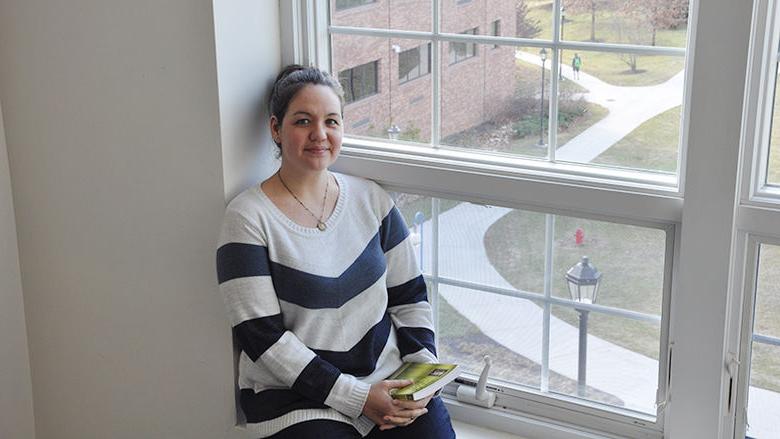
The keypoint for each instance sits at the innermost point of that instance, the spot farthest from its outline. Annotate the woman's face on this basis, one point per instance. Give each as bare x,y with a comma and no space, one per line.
311,131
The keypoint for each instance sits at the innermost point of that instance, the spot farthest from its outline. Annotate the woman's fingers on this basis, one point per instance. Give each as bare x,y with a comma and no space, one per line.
392,384
410,405
404,417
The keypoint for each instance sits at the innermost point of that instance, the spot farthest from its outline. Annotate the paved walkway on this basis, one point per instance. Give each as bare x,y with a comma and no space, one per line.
628,108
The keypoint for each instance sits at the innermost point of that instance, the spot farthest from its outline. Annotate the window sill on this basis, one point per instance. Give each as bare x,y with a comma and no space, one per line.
470,431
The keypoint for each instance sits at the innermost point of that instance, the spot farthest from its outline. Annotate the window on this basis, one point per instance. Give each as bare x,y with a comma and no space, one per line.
359,82
414,63
495,30
463,51
761,350
754,351
548,144
347,4
513,303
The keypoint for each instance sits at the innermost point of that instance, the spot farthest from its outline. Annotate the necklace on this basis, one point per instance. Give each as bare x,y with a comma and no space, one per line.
320,224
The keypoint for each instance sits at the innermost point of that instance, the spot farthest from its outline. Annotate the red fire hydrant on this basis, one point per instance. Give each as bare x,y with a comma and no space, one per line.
579,236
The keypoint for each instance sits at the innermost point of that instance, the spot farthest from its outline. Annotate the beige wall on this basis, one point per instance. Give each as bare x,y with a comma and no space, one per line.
114,143
16,408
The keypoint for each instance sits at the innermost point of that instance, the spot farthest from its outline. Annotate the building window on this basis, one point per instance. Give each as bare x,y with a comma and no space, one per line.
463,51
495,30
360,81
597,160
347,4
414,63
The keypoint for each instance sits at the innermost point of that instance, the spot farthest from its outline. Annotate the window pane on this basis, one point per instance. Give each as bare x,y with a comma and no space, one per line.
630,258
619,110
639,22
764,392
493,102
525,19
773,167
473,324
533,340
383,14
767,319
379,102
414,62
505,246
620,374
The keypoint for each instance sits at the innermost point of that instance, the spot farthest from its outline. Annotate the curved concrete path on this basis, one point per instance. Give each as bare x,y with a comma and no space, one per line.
628,108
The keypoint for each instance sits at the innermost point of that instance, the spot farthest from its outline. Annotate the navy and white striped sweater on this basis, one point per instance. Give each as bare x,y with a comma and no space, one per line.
320,316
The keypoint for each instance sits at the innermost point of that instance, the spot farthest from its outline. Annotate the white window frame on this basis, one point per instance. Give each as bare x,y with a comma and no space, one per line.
757,213
765,55
695,401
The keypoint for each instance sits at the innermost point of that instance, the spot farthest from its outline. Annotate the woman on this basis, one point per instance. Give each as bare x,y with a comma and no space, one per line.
322,289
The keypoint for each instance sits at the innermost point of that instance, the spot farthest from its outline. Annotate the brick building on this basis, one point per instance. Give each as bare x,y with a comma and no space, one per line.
389,81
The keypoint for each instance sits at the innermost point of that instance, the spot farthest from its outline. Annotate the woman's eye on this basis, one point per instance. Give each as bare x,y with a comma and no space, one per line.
302,122
332,122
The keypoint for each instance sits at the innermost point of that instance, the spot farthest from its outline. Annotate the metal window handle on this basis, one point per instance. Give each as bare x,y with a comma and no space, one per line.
478,395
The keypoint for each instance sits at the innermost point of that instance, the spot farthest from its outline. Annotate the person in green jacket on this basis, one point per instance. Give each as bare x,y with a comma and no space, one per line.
576,65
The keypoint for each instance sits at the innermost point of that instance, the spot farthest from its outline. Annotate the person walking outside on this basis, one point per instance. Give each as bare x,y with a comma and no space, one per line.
576,65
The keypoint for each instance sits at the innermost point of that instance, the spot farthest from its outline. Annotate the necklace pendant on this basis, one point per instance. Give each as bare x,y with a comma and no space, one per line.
321,226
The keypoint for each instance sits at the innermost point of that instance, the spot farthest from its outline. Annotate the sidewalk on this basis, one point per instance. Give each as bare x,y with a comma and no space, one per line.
628,107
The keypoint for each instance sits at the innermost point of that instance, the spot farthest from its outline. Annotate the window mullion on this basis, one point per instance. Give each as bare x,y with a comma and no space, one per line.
549,232
697,390
436,72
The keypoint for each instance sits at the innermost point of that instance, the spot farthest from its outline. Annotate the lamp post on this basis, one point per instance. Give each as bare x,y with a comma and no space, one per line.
583,282
393,132
560,59
543,57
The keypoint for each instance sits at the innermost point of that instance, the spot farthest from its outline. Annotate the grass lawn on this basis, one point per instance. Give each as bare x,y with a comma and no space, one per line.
766,359
653,145
610,67
773,174
630,258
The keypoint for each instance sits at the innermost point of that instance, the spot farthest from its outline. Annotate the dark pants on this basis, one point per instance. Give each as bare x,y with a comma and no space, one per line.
435,424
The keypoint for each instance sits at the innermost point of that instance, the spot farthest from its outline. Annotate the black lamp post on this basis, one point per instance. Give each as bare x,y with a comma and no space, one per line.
560,59
583,281
543,57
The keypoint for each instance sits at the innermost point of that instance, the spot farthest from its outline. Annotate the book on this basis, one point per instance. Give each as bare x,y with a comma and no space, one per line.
428,378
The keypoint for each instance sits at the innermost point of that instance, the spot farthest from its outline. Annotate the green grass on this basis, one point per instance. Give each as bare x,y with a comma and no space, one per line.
765,368
609,67
652,145
630,258
773,171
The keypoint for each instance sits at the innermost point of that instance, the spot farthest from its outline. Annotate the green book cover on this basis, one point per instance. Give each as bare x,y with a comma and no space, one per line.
428,378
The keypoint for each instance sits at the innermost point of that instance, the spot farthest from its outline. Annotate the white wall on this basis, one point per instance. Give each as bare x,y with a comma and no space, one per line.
113,135
16,407
248,60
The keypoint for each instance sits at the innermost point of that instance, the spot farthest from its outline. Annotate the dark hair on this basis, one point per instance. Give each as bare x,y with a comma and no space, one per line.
291,80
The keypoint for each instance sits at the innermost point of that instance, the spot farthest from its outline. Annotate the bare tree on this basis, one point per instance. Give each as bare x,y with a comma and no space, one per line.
585,6
656,14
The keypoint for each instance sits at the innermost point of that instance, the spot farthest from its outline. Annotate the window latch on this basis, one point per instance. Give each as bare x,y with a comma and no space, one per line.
478,395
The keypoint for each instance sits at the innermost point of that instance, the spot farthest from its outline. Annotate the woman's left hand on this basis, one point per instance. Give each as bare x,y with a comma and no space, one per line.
402,421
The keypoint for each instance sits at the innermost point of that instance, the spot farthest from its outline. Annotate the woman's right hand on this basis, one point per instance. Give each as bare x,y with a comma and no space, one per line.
379,406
